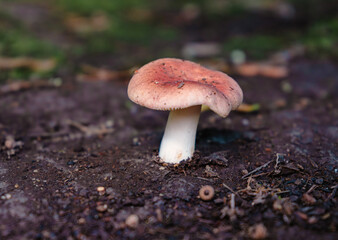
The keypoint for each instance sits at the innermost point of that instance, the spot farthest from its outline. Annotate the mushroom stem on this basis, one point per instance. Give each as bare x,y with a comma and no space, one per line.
178,142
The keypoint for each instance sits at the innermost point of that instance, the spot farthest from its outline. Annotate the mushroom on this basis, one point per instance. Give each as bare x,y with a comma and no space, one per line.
182,87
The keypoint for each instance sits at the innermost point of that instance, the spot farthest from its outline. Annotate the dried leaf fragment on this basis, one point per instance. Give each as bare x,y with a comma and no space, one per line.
37,65
247,108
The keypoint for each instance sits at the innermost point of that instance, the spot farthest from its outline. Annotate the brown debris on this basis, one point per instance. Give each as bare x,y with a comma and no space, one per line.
98,22
132,221
19,86
248,108
102,208
209,172
11,146
99,130
308,199
258,231
262,69
95,74
257,169
38,65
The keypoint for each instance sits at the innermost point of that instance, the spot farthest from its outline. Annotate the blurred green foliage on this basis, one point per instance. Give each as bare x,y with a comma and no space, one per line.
255,46
145,25
123,26
17,41
322,39
87,7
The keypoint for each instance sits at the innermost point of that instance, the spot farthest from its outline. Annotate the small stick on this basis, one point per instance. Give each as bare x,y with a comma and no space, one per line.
286,191
333,193
229,188
19,86
79,126
260,174
257,169
313,187
205,179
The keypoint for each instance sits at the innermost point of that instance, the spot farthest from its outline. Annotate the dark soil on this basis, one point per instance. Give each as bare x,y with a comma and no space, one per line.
50,172
76,161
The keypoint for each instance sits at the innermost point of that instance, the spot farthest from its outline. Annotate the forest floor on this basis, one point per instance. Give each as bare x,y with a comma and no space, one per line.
78,160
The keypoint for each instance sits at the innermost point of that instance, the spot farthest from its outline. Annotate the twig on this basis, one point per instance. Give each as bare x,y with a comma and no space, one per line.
260,174
205,179
79,126
281,192
313,187
92,130
18,86
229,188
257,169
333,193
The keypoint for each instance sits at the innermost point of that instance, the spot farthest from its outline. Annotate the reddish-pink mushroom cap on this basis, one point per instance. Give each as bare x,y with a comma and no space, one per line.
169,84
181,87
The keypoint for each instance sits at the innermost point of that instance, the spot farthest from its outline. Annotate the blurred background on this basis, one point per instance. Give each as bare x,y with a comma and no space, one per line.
89,40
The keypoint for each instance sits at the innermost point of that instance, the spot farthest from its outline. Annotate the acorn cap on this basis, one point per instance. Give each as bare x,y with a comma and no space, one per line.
169,84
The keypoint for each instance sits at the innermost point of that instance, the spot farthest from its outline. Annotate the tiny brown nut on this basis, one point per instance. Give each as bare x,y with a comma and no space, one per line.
207,193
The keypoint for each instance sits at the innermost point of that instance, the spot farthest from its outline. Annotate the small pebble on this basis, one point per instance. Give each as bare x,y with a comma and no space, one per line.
245,122
70,163
9,143
258,231
312,220
8,196
308,199
132,221
238,56
101,190
319,181
102,208
277,205
207,193
81,221
298,181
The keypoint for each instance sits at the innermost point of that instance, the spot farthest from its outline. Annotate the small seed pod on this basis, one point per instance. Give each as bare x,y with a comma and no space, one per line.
207,193
132,221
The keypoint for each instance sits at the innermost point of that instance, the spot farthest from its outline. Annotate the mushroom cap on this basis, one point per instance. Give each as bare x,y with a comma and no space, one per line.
170,83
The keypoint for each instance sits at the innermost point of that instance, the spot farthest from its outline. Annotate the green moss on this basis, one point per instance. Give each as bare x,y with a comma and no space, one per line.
121,27
87,7
16,41
322,39
255,46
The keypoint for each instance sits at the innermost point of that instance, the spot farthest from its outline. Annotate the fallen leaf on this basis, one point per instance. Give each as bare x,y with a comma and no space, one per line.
247,108
18,86
247,69
308,199
98,22
93,74
38,65
261,69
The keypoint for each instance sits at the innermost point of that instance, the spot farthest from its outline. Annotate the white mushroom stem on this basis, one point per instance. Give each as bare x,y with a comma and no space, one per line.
178,142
